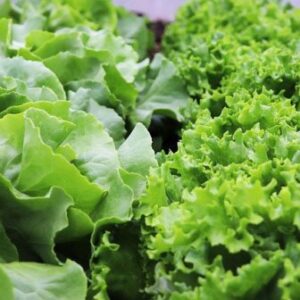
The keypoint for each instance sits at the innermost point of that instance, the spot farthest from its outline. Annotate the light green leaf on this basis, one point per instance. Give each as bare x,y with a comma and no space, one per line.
164,94
33,222
134,29
4,8
70,67
44,282
6,288
113,123
136,154
118,203
5,35
122,89
35,155
29,79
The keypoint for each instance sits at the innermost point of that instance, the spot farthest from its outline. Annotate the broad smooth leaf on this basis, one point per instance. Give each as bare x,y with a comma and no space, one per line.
33,281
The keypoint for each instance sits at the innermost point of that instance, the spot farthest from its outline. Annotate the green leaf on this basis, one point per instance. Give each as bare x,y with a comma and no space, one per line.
35,141
135,181
80,225
6,289
20,31
43,282
102,11
122,89
164,93
118,203
113,123
8,251
134,29
4,8
30,79
5,35
70,67
35,155
33,222
136,154
10,99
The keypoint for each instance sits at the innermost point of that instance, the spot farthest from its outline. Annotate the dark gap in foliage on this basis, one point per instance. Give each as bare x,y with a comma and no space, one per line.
285,84
289,87
165,133
200,175
128,127
174,172
79,251
191,279
280,180
270,238
271,153
231,261
229,127
214,80
281,240
266,178
126,263
158,28
196,98
20,241
149,271
16,16
216,107
297,177
270,290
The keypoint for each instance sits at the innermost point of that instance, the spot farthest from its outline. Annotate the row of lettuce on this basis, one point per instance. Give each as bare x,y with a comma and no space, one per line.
222,213
87,210
77,92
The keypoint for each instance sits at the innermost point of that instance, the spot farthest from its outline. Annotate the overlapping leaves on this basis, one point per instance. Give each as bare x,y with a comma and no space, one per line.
222,212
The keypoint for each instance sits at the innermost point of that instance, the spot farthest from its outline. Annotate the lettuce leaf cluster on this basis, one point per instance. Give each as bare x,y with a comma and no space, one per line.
77,94
218,38
222,213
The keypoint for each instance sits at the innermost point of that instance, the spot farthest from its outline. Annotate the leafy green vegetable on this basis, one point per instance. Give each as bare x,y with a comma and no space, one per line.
221,213
60,173
230,33
71,156
100,74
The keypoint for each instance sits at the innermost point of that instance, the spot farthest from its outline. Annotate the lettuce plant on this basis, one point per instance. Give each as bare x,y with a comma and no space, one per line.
76,95
221,213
